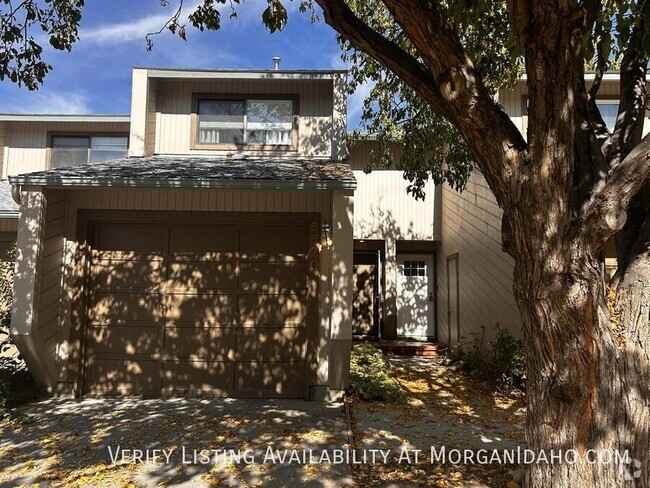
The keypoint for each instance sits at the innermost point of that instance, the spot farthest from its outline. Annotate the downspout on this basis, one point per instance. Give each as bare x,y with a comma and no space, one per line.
15,193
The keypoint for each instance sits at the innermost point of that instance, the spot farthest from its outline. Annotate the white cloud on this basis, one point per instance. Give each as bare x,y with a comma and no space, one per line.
137,29
132,30
49,102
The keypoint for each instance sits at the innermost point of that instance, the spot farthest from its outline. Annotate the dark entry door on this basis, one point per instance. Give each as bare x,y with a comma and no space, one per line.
366,304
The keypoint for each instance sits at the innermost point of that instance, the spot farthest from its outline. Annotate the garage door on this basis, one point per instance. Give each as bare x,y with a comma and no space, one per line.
219,309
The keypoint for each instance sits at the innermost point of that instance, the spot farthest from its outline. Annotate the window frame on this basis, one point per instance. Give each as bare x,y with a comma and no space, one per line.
197,97
89,135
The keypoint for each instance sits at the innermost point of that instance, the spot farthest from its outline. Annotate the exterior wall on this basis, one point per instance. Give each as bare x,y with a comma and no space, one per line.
174,109
384,210
26,142
62,260
3,141
471,227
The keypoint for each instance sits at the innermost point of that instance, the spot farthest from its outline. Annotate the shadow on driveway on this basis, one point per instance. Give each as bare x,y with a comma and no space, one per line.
69,442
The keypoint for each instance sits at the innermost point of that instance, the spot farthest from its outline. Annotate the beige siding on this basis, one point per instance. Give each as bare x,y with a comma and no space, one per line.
51,279
382,207
3,141
152,105
471,227
26,142
174,108
9,225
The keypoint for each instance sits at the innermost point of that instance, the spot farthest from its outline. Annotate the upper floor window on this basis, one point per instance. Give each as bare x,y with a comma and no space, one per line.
608,111
74,150
245,122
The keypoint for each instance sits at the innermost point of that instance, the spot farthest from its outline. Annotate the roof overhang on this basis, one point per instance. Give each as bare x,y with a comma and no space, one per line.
63,118
198,173
295,75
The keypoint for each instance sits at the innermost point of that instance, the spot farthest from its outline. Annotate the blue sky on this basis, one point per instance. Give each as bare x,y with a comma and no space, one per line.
96,76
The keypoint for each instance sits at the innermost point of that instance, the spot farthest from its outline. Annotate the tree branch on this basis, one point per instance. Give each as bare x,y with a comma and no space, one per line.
520,16
605,213
447,80
338,15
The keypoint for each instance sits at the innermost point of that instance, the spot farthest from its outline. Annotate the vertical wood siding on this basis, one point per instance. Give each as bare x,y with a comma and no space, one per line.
9,225
150,134
49,318
26,142
471,226
174,108
383,208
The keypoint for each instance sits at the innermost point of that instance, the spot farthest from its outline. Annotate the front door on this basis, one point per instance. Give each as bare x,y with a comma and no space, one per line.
365,283
415,292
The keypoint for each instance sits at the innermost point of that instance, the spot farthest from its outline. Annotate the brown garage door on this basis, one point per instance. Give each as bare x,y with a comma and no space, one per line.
218,309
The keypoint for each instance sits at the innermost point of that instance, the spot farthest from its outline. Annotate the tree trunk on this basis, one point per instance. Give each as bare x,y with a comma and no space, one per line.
588,396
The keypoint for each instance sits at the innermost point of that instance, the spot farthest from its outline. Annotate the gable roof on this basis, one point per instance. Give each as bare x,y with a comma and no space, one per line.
199,172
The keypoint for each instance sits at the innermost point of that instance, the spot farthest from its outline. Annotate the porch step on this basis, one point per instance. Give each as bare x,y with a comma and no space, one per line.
402,347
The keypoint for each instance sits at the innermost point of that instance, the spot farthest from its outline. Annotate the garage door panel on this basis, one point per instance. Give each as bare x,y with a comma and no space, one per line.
204,239
205,310
119,274
272,344
273,277
269,378
273,240
218,310
131,238
271,310
198,343
120,307
198,376
124,377
202,275
126,341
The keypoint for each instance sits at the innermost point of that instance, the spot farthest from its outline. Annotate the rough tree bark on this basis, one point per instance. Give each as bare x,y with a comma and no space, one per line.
588,375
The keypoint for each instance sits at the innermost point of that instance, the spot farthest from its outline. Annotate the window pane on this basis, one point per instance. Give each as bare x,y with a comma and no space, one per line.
608,111
269,121
103,148
69,151
221,122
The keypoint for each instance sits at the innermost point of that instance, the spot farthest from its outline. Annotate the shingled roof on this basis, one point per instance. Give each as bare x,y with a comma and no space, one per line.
8,208
198,172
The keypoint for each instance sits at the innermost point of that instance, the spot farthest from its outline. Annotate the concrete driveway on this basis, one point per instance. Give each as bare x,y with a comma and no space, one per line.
181,442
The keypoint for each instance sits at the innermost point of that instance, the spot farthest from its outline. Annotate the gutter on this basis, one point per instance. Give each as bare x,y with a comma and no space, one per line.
15,192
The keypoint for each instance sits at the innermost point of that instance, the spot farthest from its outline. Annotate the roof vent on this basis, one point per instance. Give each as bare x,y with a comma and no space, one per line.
276,62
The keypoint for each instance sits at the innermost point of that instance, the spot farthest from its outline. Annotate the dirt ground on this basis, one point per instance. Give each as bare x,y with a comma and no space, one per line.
444,408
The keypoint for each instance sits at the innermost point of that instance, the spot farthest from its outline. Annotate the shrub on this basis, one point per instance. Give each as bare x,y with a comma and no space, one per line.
502,365
16,383
372,377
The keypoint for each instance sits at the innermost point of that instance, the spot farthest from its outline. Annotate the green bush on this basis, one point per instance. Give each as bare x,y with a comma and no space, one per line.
16,383
502,365
372,377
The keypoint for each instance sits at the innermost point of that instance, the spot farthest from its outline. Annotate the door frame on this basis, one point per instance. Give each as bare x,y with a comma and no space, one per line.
453,257
401,250
89,219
